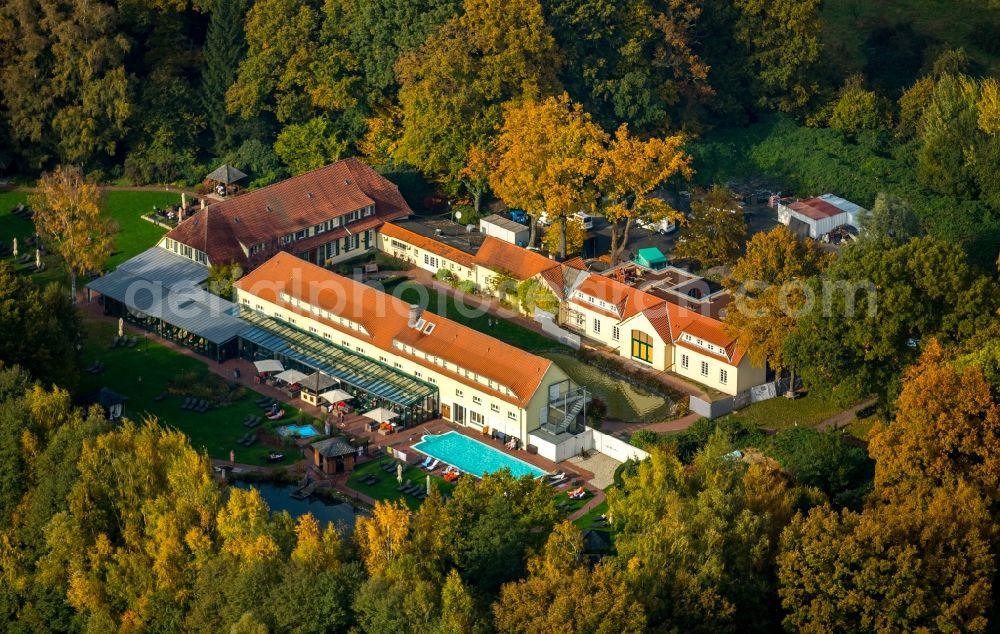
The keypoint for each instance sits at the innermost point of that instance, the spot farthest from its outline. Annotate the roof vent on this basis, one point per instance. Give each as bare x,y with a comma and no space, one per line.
429,329
347,181
310,194
269,208
236,219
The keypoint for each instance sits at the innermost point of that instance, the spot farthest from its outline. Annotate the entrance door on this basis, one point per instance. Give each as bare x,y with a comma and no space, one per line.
459,414
446,412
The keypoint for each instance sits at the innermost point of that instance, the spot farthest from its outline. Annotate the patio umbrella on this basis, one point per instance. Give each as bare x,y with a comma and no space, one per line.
15,247
291,376
428,484
184,203
399,472
380,415
269,365
38,258
121,327
336,396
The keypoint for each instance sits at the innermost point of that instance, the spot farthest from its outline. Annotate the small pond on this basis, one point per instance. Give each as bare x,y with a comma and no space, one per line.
625,402
279,499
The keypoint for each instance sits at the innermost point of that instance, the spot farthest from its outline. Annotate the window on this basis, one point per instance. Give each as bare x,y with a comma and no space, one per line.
312,329
704,368
459,392
351,242
476,417
396,244
512,415
580,319
398,364
301,234
418,374
477,400
723,376
685,361
333,249
383,359
597,326
642,346
614,333
494,407
432,379
430,261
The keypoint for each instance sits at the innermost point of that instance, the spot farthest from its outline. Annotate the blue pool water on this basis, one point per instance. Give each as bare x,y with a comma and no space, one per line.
473,456
302,431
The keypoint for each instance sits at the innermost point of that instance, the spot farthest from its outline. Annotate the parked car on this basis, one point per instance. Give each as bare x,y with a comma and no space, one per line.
585,218
662,227
519,216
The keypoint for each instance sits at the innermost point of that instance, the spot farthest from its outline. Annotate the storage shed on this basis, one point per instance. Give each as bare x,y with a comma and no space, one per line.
651,258
505,229
816,217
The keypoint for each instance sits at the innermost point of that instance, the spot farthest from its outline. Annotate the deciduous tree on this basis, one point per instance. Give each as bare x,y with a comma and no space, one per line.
946,429
453,86
920,563
67,214
715,231
782,46
549,155
630,170
308,146
770,289
890,218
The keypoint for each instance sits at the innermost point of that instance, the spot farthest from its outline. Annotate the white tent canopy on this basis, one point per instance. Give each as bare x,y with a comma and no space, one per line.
336,396
291,376
380,415
269,365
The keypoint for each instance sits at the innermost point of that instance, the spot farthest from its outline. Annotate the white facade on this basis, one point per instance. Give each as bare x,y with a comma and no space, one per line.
504,229
848,214
461,401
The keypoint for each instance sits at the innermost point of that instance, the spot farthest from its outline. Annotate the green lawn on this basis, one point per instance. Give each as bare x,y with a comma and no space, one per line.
125,208
143,372
135,235
387,486
473,317
587,519
780,412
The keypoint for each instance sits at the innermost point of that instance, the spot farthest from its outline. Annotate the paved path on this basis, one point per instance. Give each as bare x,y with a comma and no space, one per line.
843,419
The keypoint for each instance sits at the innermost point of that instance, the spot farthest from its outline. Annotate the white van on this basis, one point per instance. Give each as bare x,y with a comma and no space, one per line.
585,218
662,227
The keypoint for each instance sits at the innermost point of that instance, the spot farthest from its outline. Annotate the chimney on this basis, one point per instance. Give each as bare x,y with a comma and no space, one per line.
414,316
203,203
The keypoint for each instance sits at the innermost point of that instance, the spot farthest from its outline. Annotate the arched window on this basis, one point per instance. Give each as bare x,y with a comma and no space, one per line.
642,346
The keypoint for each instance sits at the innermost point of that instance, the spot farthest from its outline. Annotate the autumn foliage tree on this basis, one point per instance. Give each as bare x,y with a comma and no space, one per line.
920,563
769,283
946,429
67,214
631,169
548,157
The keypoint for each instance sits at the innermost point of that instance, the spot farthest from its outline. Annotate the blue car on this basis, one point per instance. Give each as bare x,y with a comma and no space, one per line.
519,216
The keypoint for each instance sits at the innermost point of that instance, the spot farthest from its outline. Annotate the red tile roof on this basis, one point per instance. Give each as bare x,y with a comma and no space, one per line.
498,255
668,319
385,319
228,227
428,244
816,208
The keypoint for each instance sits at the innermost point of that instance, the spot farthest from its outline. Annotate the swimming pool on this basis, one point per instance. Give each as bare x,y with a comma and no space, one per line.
473,456
302,431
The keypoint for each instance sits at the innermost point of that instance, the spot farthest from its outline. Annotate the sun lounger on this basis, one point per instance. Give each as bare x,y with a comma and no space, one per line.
132,341
558,481
388,467
203,407
250,440
243,438
159,397
187,403
427,461
264,400
432,466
